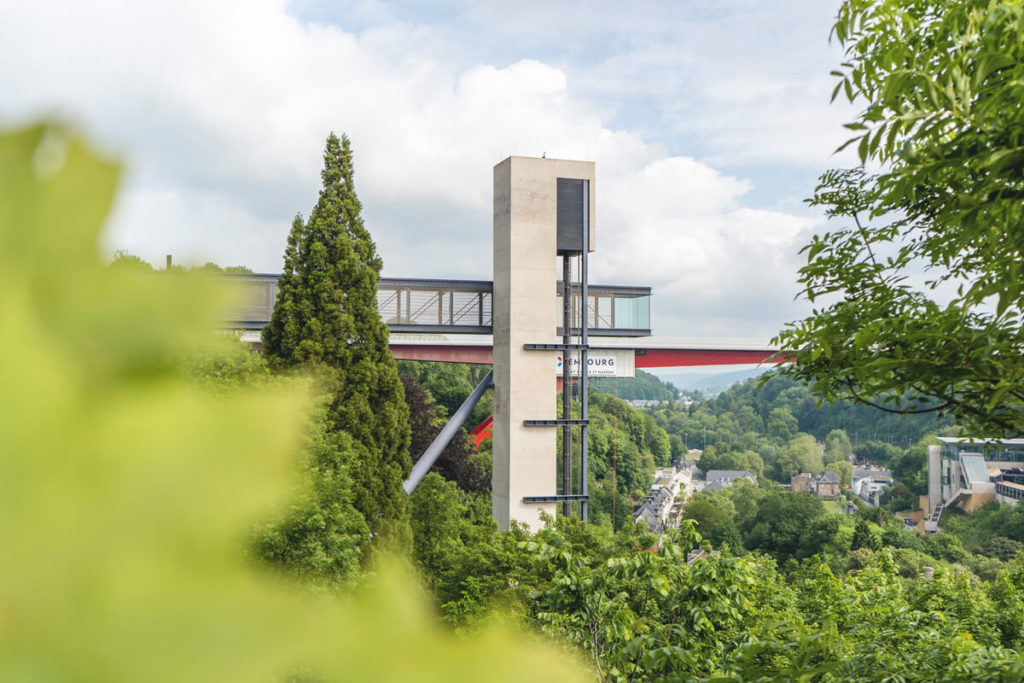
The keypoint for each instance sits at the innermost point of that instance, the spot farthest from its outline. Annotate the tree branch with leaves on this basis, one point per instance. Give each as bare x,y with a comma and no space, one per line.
918,295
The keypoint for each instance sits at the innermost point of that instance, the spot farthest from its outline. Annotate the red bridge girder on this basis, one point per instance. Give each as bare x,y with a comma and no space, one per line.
474,355
645,358
674,358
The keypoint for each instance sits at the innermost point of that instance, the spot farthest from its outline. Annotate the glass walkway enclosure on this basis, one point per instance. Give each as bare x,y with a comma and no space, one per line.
450,306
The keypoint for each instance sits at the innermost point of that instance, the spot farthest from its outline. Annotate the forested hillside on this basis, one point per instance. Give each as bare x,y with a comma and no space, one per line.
781,407
644,386
786,568
777,429
861,422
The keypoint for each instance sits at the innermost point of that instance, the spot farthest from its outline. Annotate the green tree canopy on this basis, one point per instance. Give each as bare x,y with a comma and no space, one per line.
714,512
838,446
865,537
319,538
843,469
781,522
802,455
326,317
919,295
782,426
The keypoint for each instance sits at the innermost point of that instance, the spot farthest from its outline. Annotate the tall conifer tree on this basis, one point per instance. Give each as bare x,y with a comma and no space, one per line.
326,317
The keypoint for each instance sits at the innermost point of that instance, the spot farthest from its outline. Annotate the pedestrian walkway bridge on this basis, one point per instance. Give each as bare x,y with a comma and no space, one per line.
451,321
452,306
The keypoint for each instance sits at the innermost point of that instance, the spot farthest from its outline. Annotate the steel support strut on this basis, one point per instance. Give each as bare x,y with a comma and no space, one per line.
442,440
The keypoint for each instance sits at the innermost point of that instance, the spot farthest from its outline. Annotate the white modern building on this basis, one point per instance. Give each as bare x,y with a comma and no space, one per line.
970,472
870,483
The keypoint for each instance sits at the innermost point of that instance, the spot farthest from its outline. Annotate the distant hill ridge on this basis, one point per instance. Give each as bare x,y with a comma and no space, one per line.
711,383
644,386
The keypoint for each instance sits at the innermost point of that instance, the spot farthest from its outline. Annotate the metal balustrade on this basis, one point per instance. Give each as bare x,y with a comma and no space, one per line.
414,305
614,310
450,306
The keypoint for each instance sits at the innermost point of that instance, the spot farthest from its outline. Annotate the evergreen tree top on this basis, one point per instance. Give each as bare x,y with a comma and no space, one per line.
326,303
338,163
325,315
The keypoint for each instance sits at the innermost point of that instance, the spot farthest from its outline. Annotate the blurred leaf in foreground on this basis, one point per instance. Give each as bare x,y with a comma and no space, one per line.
127,492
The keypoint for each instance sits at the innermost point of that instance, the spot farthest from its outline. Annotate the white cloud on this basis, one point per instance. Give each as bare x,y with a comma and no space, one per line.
221,109
716,267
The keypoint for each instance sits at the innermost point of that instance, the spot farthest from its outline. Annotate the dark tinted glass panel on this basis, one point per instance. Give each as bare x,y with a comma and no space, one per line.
570,215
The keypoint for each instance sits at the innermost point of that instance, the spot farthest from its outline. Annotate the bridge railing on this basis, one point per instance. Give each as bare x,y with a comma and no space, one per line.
451,306
613,310
416,305
254,301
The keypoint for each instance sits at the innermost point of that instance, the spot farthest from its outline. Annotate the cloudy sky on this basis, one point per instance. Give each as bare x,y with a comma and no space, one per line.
709,122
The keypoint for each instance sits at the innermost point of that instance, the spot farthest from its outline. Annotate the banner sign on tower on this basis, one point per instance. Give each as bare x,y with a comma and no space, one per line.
600,363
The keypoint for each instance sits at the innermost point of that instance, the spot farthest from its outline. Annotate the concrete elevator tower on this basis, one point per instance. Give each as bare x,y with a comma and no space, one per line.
542,208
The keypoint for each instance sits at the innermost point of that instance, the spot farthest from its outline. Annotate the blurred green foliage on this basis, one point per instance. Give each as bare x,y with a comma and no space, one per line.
128,492
319,537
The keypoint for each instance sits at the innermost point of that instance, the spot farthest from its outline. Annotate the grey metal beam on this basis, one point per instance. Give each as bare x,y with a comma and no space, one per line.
415,328
555,499
436,284
552,347
442,440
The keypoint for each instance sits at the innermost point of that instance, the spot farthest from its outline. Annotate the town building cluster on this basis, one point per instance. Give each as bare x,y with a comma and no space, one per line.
663,503
716,480
825,485
870,483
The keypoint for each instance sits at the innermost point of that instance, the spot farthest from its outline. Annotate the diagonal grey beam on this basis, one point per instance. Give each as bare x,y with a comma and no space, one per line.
441,441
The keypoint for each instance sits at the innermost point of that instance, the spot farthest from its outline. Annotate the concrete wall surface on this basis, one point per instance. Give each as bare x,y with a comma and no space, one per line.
525,274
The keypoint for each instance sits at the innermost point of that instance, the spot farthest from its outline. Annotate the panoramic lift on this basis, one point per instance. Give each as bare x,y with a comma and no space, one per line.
542,208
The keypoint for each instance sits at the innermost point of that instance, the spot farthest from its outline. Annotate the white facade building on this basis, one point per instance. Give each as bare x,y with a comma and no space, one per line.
971,472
